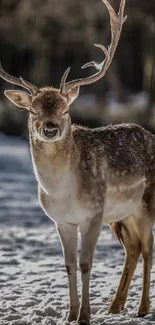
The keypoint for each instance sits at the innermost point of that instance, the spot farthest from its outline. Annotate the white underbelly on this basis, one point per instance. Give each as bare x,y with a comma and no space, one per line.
122,201
118,211
76,214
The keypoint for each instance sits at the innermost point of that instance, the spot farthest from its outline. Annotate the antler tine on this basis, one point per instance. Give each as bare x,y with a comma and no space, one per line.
121,10
63,81
17,81
116,23
94,64
31,87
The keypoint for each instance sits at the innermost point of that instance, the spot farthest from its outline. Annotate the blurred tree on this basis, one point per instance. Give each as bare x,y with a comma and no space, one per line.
40,39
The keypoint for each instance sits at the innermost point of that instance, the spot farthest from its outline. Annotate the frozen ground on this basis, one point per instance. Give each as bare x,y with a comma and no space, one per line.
33,282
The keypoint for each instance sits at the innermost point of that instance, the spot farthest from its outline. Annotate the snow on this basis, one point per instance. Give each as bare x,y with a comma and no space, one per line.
33,280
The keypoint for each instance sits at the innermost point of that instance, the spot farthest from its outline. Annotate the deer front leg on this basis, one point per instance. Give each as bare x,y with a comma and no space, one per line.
68,236
90,231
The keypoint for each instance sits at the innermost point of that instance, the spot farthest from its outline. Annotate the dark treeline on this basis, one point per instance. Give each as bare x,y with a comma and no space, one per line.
40,39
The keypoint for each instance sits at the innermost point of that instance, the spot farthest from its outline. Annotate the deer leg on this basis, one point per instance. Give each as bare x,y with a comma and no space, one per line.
147,249
132,248
90,231
68,236
143,223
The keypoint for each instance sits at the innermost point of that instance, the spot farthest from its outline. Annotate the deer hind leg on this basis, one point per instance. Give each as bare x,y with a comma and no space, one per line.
144,230
143,223
132,247
147,249
68,236
136,238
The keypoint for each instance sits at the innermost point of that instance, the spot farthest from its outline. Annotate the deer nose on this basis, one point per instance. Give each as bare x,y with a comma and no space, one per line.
50,130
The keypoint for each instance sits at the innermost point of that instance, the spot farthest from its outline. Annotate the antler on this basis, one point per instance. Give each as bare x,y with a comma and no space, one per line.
116,23
18,81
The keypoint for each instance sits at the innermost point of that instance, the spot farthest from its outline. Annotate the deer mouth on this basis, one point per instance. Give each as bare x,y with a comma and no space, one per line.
50,133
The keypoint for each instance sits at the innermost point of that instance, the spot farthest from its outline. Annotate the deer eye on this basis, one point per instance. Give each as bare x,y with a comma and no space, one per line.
65,112
32,112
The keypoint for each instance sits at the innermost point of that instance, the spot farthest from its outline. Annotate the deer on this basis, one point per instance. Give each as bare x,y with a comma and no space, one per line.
90,177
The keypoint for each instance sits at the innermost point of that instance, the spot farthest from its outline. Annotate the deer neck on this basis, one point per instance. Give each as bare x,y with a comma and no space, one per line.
52,161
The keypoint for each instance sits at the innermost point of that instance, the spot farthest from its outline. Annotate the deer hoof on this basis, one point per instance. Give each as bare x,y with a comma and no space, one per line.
115,308
84,316
144,309
83,323
73,314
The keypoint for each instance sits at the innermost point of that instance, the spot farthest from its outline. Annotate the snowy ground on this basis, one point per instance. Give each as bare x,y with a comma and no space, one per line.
33,281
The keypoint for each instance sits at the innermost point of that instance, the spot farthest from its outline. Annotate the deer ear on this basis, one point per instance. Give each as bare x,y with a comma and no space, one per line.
19,98
72,94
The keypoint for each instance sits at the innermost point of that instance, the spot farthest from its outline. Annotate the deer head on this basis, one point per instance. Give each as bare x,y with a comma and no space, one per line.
49,107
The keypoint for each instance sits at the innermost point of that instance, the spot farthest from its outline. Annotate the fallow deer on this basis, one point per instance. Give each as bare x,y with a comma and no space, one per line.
87,177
